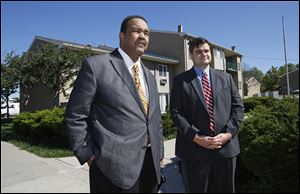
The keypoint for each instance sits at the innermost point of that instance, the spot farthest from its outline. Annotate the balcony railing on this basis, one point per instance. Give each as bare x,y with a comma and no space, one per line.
231,66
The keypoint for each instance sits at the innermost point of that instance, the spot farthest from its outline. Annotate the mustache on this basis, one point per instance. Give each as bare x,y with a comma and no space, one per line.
142,42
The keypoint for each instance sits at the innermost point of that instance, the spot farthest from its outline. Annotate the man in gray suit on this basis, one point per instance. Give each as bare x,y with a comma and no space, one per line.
207,109
113,116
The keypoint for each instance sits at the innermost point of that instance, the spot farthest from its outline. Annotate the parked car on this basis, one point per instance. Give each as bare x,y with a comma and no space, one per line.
14,109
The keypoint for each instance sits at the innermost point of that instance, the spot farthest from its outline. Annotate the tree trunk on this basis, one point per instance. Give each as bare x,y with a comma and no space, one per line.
7,107
55,99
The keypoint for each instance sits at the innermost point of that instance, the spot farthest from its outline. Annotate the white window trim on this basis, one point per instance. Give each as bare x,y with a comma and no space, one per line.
164,71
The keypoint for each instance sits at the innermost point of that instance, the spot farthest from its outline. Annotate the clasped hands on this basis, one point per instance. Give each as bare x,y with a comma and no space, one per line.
212,143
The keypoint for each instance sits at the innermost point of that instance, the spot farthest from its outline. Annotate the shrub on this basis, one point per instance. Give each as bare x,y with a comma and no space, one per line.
251,103
23,122
44,126
269,139
169,127
47,127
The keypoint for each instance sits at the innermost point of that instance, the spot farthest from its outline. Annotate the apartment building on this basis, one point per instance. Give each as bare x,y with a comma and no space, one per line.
167,56
175,44
39,97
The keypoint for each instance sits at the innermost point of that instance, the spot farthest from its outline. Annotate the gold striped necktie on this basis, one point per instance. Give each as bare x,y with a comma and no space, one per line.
139,88
141,94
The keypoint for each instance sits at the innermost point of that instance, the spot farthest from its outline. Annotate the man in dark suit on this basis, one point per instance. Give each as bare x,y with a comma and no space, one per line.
113,116
207,109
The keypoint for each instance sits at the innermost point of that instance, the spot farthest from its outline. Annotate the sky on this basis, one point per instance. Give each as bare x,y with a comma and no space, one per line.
255,28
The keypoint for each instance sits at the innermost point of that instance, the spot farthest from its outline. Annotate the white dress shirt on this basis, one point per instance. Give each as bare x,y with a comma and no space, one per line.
129,64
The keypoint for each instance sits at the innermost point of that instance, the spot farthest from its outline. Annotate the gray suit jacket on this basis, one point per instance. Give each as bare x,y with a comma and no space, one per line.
189,113
105,117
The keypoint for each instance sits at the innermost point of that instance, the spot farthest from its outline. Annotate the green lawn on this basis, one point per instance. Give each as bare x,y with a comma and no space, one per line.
42,149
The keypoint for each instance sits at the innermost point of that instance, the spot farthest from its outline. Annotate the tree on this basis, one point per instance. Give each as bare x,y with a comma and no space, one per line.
291,67
53,66
9,83
26,74
253,72
271,81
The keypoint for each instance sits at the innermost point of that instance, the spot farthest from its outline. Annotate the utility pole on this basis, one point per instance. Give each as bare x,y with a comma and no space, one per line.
286,65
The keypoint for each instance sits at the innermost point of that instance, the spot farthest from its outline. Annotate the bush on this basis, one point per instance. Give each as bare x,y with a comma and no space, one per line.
251,103
169,127
44,126
6,132
22,124
269,138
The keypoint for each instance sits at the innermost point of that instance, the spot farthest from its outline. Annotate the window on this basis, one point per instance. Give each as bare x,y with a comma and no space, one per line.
218,53
162,70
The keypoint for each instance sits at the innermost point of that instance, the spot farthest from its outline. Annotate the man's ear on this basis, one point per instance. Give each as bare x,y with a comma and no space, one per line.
121,36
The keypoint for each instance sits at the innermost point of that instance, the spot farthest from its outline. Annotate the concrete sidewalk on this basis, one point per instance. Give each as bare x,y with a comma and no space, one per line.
23,172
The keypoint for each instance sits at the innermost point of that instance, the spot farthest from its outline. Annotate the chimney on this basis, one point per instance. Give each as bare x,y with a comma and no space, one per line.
180,28
233,48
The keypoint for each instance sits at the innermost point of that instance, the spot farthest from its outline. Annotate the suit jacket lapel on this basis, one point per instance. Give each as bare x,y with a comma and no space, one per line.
197,87
214,84
148,75
120,67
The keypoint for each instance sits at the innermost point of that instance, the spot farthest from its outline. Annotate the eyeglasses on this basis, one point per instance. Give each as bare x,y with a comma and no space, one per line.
162,180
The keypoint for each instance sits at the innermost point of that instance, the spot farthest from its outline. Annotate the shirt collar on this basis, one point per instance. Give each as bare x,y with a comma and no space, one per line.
128,61
199,71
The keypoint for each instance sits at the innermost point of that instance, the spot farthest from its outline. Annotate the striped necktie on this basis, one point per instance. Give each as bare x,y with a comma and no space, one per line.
140,91
208,99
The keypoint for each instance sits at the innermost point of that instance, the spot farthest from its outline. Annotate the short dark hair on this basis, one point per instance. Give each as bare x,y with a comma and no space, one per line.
195,43
127,19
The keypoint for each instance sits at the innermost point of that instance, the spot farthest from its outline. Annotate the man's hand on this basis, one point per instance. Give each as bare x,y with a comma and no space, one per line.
223,138
212,142
207,142
161,162
90,161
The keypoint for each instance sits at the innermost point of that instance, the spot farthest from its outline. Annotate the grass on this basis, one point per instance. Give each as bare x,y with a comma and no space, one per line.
42,150
38,147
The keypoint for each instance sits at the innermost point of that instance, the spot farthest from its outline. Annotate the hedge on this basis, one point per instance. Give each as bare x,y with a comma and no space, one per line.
269,139
252,102
169,127
43,126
